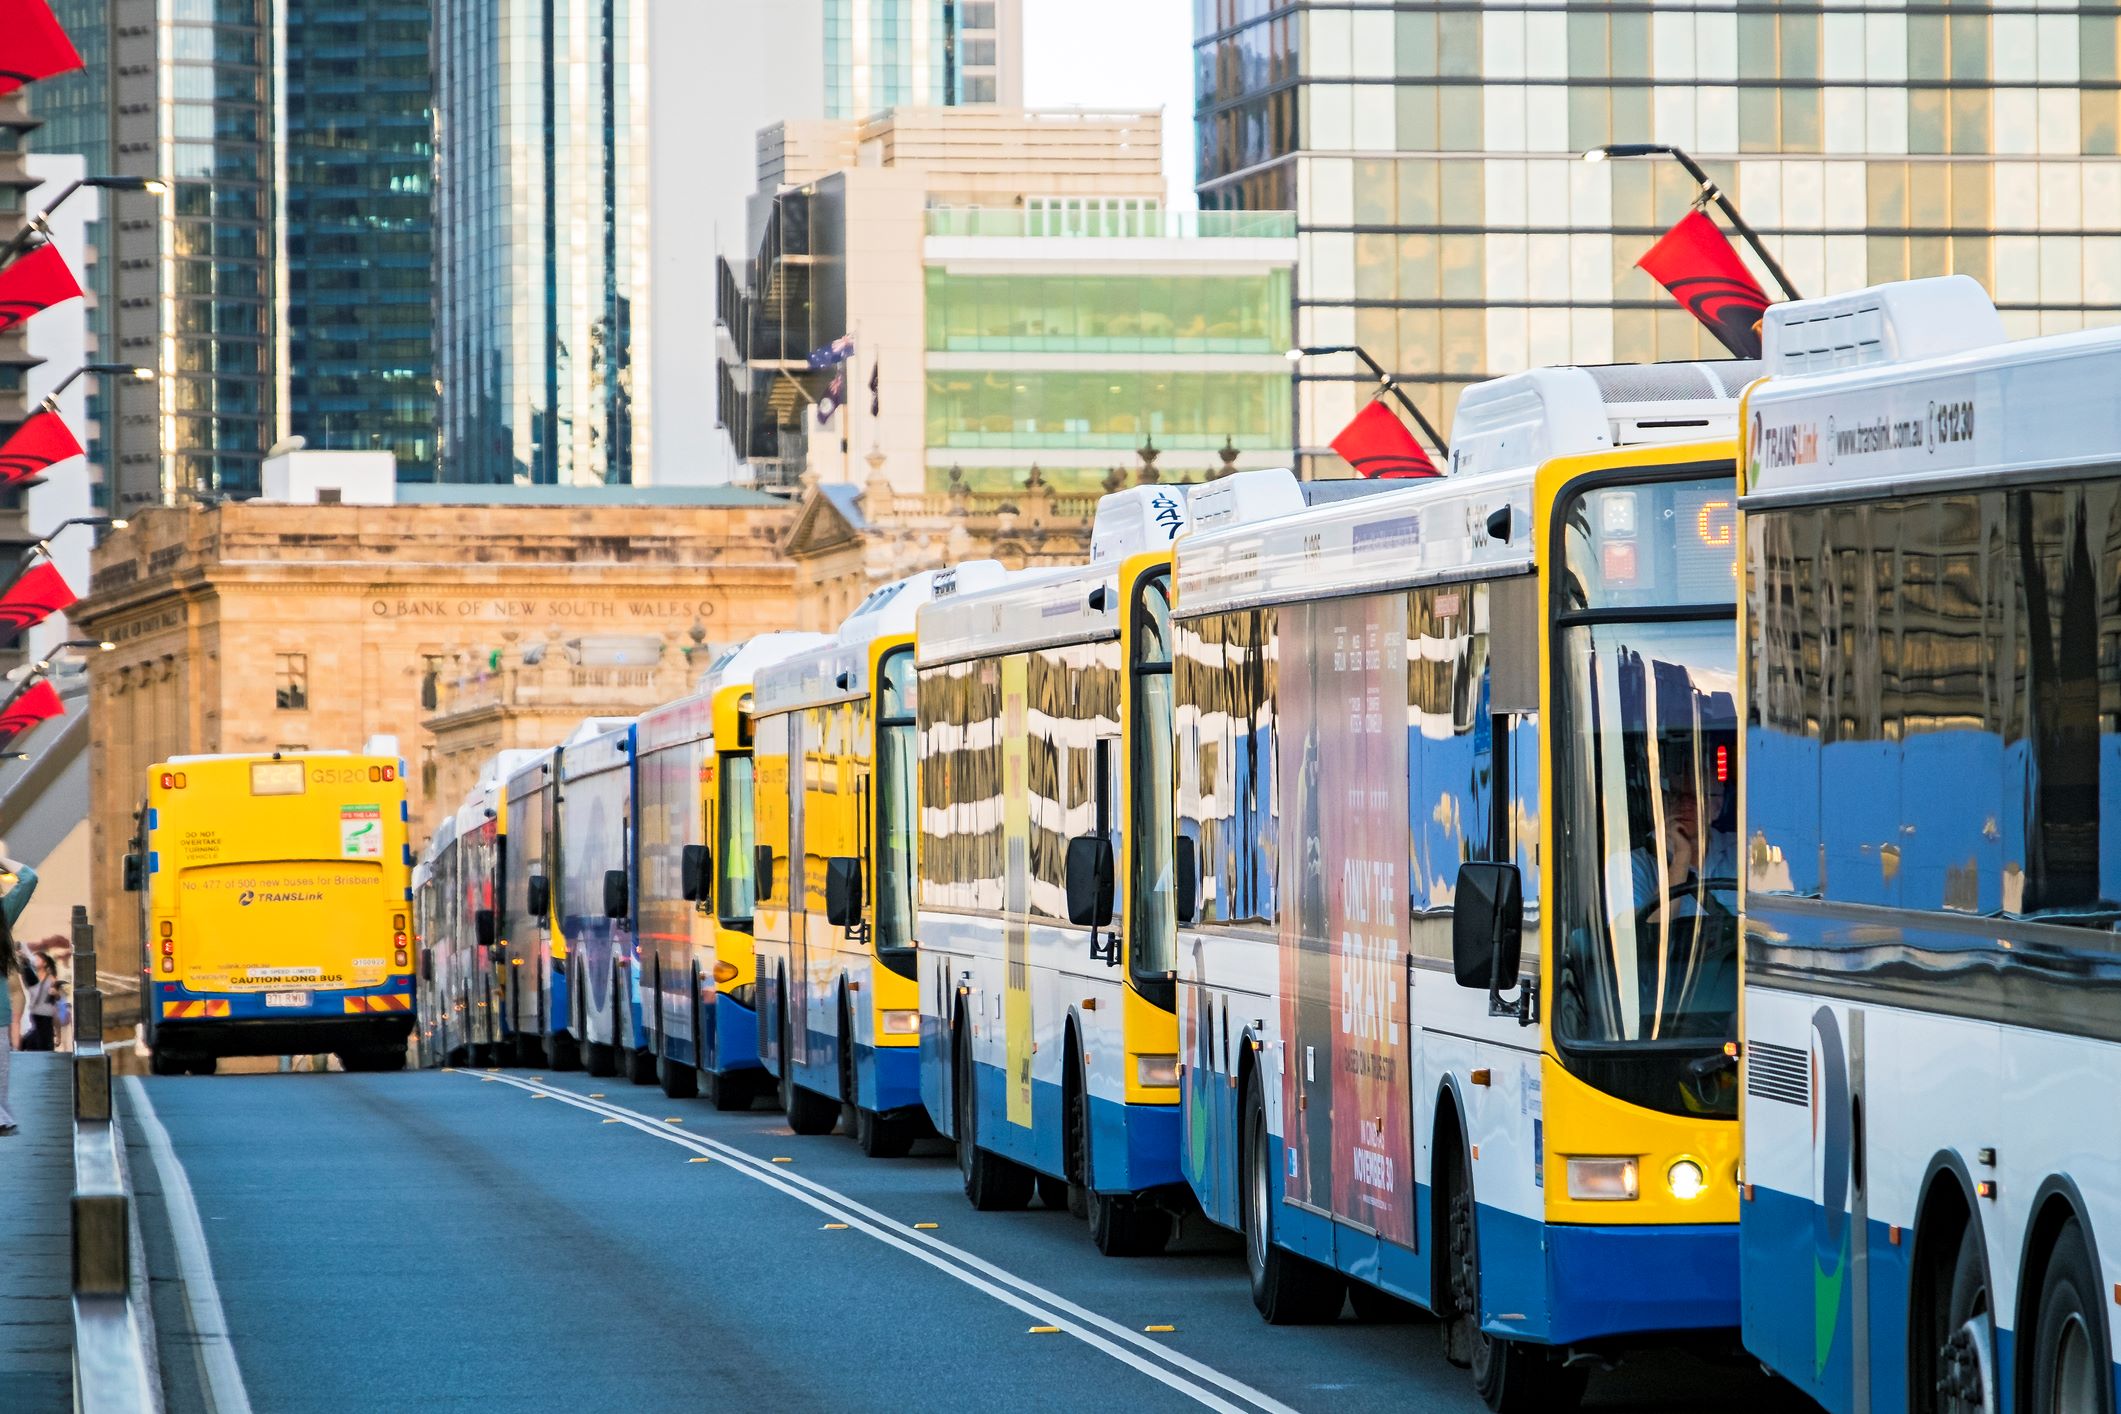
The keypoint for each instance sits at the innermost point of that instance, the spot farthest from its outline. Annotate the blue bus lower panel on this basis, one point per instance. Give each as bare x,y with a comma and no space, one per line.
1133,1148
732,1035
1616,1281
559,1014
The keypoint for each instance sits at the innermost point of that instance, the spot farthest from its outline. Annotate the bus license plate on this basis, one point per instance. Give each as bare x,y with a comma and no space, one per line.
287,999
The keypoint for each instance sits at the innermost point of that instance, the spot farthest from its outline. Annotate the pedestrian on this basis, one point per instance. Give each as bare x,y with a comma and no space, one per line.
20,881
46,1008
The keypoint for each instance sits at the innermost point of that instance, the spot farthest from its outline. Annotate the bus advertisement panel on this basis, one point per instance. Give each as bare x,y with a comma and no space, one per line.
1343,701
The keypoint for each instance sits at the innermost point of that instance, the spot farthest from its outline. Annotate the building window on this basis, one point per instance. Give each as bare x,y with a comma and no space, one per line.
291,682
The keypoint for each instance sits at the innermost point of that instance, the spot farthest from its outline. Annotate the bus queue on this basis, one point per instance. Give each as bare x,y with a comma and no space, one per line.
1647,885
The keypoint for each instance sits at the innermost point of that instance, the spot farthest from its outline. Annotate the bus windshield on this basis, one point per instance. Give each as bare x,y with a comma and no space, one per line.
735,890
1645,927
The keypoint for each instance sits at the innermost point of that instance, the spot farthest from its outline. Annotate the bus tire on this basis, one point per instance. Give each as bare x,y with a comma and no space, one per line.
1053,1192
1510,1376
601,1058
202,1065
1962,1334
1374,1307
727,1092
636,1063
2070,1365
1121,1225
808,1112
1288,1290
993,1184
163,1062
531,1051
562,1052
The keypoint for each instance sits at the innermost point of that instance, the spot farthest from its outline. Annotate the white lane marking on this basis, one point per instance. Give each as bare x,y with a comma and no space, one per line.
222,1377
1084,1324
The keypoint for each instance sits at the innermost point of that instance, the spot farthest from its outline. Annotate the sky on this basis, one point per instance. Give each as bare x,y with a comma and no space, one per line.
1117,53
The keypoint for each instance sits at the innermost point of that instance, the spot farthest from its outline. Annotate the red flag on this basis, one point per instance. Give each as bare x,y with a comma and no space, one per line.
1698,266
1377,444
44,438
34,282
30,600
39,701
32,45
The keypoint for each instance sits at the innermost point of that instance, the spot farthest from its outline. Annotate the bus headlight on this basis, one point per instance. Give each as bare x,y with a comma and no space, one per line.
1687,1179
1602,1180
902,1023
1156,1071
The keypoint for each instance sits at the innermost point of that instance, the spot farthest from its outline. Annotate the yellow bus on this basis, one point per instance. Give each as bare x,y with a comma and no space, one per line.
276,899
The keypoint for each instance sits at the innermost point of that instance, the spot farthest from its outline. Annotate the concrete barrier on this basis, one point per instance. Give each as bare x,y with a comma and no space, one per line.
115,1370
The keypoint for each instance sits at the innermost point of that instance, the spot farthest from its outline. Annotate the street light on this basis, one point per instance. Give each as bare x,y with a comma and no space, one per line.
1386,384
1709,192
99,645
153,186
114,370
43,543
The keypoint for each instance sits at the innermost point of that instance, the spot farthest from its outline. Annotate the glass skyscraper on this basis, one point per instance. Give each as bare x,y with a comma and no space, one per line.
929,53
358,228
1430,152
541,238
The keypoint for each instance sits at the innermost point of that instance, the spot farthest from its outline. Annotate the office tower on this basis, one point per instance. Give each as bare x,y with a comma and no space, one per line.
593,159
281,287
357,368
1432,151
931,53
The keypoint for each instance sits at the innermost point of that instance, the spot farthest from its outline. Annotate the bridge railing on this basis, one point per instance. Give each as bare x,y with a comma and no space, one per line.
114,1360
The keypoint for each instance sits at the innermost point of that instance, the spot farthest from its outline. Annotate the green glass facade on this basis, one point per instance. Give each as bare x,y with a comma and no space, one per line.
1111,411
1083,313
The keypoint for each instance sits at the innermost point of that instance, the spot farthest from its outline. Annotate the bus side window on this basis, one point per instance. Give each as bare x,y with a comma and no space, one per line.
1104,791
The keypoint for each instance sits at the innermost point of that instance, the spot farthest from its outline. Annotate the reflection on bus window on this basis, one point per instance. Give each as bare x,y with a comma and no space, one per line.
1649,941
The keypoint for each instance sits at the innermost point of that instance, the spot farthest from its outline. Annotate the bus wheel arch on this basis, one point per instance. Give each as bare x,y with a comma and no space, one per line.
1951,1295
1075,1144
1449,1143
2061,1322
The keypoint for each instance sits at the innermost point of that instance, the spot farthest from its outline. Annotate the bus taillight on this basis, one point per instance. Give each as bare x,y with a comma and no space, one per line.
397,921
173,780
390,773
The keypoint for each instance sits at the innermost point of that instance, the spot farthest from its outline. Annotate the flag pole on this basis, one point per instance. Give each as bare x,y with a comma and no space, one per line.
1386,384
1709,192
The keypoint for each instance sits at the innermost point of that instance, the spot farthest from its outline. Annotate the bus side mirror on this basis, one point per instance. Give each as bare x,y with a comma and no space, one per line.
1185,869
1487,922
843,891
540,901
1089,870
694,869
427,965
762,869
132,873
615,899
482,927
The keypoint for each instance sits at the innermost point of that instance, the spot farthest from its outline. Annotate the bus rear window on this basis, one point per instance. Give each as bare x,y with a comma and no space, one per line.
276,778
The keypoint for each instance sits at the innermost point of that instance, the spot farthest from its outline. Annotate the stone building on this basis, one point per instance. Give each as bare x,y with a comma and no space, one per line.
261,626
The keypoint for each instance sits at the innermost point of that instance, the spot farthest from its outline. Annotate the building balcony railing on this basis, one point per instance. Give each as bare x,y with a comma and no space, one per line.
1112,224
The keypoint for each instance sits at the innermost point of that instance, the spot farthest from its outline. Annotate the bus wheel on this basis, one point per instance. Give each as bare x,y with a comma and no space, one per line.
1511,1376
202,1065
531,1051
1121,1225
992,1183
601,1058
1053,1192
1380,1308
808,1112
562,1052
161,1062
2070,1364
1960,1376
727,1092
1288,1290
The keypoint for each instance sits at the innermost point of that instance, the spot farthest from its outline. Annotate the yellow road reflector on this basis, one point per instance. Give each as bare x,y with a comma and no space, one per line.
541,1097
596,1094
699,1161
614,1121
449,1070
782,1159
537,1077
1043,1330
927,1225
493,1070
672,1119
486,1080
1159,1330
834,1227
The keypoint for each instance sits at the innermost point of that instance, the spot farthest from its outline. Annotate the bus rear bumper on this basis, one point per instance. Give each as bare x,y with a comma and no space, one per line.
1638,1281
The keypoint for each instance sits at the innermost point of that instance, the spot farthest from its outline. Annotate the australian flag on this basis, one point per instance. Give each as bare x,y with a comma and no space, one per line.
836,352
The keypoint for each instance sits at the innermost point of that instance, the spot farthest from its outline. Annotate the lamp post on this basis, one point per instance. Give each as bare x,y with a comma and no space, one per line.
127,370
1386,384
1709,192
42,545
100,645
153,186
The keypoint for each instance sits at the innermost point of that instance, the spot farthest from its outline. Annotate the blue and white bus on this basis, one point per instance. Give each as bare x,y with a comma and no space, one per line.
1049,1042
593,903
1932,823
1455,971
